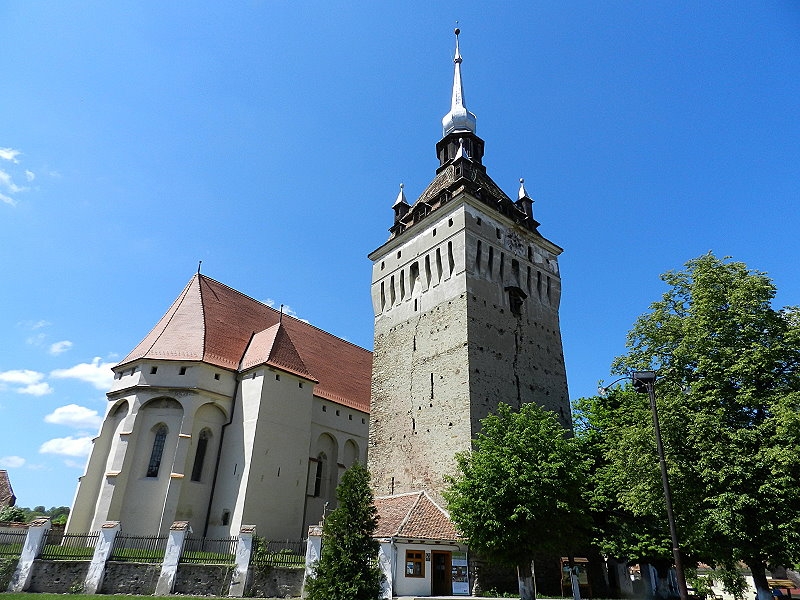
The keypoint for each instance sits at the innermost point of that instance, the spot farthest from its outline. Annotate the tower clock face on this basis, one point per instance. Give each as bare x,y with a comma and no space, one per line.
515,243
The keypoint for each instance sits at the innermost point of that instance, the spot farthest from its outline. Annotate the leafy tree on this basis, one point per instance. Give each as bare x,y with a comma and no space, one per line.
12,514
347,568
518,494
729,401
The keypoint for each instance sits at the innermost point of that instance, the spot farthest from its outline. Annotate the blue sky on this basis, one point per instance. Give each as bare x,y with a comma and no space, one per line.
268,139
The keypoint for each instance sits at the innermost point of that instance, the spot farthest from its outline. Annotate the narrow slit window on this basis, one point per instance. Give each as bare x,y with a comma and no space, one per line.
478,257
402,284
392,295
439,265
200,455
450,260
490,264
158,451
428,270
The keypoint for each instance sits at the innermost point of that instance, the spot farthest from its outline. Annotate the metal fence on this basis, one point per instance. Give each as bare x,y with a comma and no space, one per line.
209,551
11,542
139,548
282,553
69,546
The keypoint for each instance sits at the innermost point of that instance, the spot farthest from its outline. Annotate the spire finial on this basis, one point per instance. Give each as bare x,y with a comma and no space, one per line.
459,118
401,197
198,267
522,193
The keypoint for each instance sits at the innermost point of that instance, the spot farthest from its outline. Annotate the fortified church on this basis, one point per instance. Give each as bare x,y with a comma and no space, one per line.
230,413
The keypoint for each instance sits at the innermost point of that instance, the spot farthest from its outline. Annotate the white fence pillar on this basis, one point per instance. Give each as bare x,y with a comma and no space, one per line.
244,550
386,559
169,568
34,541
313,552
102,552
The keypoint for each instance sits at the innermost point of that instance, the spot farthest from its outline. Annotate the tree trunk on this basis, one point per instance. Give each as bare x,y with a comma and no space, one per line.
525,577
763,591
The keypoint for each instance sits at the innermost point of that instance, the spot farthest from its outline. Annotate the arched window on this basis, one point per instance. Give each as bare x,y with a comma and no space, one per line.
200,454
158,450
319,476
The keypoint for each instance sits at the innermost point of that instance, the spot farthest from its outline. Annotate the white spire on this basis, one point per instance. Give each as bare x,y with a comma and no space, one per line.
459,118
401,197
522,193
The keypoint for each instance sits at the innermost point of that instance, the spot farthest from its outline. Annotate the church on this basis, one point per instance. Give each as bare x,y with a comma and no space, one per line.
230,413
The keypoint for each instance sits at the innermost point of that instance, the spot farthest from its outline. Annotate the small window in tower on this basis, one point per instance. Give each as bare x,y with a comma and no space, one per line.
497,232
478,253
450,222
324,408
530,254
363,421
349,417
402,284
216,376
338,412
226,517
277,377
434,232
479,221
516,298
383,297
399,253
490,264
153,370
392,294
182,371
439,265
383,264
300,384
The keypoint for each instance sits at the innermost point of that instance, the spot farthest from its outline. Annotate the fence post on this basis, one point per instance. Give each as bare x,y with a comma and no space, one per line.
313,552
102,552
169,568
244,550
37,534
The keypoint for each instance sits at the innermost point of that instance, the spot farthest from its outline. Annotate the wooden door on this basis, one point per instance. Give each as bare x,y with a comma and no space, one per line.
441,579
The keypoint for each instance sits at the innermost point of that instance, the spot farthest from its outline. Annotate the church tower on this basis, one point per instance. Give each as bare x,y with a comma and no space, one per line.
465,294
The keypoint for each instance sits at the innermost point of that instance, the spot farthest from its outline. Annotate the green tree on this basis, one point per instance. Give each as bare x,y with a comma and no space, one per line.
729,400
12,514
518,494
347,568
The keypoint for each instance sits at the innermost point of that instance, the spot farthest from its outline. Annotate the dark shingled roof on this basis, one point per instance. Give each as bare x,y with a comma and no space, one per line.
216,324
413,515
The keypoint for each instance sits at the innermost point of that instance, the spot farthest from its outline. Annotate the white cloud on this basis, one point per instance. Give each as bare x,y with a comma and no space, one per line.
98,373
7,182
30,175
7,200
67,446
60,347
9,154
36,389
31,382
11,462
287,310
72,415
74,464
21,376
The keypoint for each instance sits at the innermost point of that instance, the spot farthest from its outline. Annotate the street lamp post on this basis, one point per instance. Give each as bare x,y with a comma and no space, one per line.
644,381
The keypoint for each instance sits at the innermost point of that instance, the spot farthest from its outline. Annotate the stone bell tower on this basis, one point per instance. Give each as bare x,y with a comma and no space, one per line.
466,294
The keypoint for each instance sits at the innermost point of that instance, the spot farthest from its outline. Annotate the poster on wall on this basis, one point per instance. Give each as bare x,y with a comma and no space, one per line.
460,574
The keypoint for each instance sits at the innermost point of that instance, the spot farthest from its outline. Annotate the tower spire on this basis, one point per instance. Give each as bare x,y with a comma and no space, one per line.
459,118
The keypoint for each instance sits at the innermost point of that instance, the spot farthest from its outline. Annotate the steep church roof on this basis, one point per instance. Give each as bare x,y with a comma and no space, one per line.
415,516
215,324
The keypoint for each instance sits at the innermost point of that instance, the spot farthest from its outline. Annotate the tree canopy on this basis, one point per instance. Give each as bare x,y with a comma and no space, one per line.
729,397
518,494
347,568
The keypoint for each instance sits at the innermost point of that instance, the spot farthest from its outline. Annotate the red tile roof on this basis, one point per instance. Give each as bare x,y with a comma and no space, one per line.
216,324
413,515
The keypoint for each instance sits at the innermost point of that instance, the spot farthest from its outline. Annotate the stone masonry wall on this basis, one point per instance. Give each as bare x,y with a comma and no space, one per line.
203,580
272,582
58,576
130,578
